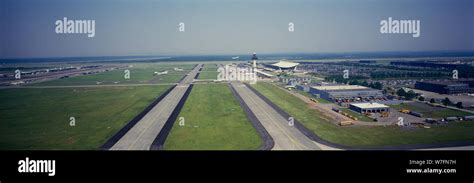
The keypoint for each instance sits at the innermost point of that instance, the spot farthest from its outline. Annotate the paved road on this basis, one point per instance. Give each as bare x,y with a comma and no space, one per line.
286,137
141,136
465,99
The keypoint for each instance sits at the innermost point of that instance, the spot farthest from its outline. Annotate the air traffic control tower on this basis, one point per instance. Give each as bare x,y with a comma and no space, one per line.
254,56
254,60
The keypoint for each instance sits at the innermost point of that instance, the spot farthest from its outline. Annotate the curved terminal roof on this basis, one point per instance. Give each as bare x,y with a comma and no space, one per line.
285,64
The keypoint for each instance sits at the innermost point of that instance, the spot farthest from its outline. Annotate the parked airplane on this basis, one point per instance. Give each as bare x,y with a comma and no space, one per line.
160,73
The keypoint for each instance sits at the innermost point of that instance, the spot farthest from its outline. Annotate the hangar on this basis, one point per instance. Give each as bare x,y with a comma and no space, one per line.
346,93
369,107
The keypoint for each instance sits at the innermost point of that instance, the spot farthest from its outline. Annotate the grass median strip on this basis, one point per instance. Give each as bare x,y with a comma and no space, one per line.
213,120
208,75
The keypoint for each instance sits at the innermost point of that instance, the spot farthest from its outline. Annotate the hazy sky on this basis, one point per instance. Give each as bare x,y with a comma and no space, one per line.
147,27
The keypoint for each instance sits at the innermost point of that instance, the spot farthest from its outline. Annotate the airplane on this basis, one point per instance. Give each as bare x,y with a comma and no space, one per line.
178,69
160,73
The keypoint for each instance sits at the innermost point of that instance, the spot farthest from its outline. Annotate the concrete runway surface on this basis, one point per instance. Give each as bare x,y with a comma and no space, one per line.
141,136
286,137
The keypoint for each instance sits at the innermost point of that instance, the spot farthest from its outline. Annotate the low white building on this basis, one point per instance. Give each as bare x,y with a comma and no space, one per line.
369,107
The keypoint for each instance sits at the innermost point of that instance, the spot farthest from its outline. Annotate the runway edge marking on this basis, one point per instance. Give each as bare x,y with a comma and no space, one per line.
159,142
114,139
268,142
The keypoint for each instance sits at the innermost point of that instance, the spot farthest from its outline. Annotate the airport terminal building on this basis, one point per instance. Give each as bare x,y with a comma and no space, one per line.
283,66
346,93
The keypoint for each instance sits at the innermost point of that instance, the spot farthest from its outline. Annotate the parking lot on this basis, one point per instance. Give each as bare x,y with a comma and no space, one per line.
466,100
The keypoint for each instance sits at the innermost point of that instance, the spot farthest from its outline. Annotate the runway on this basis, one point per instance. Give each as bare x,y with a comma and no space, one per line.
142,135
285,137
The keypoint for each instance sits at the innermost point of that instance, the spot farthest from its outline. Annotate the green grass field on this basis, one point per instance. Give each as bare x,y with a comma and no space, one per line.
210,67
323,101
214,120
363,135
208,75
139,74
429,111
39,118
